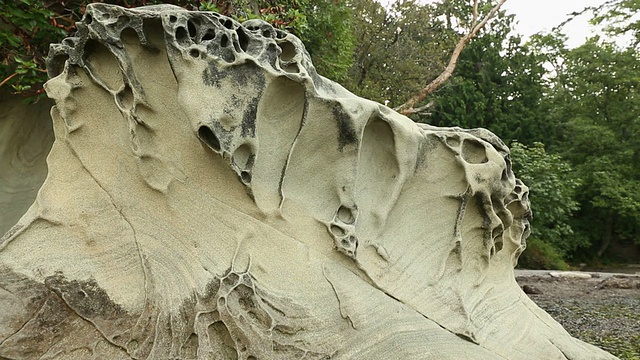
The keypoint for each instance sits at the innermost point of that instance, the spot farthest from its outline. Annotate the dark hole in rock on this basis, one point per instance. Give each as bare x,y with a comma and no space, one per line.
517,189
291,68
505,175
228,24
173,19
246,177
497,231
498,246
130,35
192,29
153,34
266,33
231,279
280,34
228,56
88,19
288,51
57,64
122,21
345,243
207,136
194,53
243,39
224,40
181,35
209,35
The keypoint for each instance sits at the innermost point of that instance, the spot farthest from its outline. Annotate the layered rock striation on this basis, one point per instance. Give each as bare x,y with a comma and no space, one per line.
211,196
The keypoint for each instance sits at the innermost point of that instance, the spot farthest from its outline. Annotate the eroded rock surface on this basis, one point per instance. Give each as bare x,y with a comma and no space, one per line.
210,196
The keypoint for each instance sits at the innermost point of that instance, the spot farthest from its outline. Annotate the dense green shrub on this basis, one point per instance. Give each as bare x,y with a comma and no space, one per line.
552,188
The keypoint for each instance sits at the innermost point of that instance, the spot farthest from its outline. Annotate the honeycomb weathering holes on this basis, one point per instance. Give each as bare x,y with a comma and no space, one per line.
224,40
474,152
181,35
337,230
288,51
345,215
192,29
210,34
243,39
207,136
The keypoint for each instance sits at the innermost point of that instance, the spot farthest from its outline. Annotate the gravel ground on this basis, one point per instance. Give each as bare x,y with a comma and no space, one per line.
603,310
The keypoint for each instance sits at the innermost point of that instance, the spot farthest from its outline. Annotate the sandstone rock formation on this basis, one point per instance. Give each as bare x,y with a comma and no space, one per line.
210,196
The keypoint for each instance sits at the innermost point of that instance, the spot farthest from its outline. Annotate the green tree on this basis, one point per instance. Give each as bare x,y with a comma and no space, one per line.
597,102
398,50
620,18
499,84
329,37
552,188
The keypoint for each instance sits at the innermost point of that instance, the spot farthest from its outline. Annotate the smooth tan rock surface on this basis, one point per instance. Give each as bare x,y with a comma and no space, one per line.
210,196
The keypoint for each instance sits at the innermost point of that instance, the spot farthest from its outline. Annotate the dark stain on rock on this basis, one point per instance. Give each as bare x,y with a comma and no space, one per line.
86,298
249,118
211,76
57,315
346,133
249,73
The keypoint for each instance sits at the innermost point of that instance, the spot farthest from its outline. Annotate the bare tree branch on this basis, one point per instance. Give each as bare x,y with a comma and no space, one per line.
407,107
475,13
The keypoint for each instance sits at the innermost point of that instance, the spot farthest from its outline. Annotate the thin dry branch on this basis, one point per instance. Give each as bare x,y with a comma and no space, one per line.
8,78
407,107
475,13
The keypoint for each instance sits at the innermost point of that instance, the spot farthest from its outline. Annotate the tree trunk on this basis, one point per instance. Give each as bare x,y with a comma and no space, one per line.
607,235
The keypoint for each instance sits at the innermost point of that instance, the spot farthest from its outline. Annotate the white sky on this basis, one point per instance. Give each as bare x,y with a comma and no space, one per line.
533,16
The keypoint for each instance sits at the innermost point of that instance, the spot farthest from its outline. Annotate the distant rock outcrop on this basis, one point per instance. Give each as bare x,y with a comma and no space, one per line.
210,196
25,140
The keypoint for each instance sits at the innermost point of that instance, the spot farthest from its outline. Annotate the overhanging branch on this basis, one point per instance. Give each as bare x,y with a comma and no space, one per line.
407,107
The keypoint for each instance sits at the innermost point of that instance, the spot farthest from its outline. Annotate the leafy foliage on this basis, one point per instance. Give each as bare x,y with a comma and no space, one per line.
597,103
26,29
621,18
399,49
498,84
552,187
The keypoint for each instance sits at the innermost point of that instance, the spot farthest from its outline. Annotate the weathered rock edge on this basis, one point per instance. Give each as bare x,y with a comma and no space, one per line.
210,196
